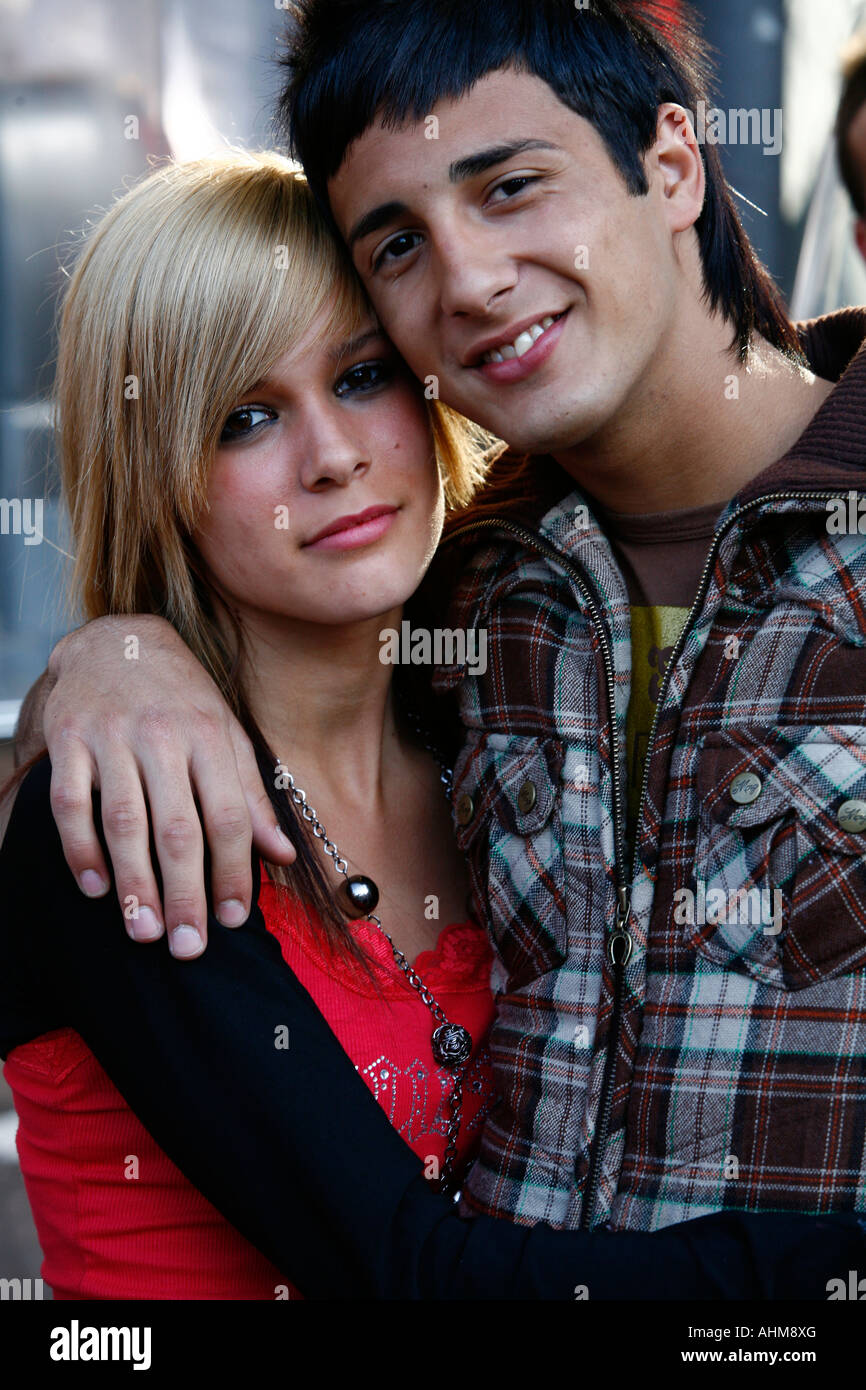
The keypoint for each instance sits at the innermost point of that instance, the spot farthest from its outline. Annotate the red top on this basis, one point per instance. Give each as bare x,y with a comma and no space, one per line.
117,1219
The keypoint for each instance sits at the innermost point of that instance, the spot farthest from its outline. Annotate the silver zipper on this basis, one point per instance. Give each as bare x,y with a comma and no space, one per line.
692,613
620,943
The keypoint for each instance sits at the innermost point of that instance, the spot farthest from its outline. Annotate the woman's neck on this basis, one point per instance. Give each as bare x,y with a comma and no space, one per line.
323,700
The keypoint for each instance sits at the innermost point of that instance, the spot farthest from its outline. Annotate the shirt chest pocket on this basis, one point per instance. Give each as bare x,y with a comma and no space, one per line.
507,816
779,882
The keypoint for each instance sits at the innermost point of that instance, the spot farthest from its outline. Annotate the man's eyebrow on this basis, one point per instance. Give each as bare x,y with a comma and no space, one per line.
479,163
374,219
461,169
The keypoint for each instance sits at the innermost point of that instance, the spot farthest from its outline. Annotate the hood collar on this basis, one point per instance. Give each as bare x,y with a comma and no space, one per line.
831,450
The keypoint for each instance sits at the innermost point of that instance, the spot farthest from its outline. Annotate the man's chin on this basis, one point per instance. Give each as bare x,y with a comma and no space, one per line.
543,425
539,438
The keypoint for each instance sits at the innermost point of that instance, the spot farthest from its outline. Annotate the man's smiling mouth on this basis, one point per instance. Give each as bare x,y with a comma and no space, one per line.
516,344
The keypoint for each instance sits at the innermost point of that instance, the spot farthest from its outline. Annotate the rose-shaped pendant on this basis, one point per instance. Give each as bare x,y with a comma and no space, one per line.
452,1045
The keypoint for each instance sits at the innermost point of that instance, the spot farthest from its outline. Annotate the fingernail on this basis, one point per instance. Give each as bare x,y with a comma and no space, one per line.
185,942
146,926
92,884
284,839
231,913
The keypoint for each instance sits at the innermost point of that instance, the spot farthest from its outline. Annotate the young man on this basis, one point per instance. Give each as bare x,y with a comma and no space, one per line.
662,791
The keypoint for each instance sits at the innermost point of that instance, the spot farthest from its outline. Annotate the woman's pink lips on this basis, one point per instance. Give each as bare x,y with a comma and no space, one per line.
516,368
360,534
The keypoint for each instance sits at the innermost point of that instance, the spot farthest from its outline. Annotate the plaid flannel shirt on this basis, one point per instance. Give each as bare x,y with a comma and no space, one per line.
722,1065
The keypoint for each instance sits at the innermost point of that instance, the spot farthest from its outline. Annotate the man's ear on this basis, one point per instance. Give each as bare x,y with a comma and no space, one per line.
676,156
860,235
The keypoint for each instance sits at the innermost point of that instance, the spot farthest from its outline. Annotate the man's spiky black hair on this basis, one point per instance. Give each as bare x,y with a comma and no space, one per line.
352,62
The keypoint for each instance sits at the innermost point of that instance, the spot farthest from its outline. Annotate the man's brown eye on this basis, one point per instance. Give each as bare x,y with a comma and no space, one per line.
398,246
511,187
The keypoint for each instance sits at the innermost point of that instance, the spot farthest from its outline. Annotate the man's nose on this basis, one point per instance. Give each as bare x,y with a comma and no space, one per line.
473,271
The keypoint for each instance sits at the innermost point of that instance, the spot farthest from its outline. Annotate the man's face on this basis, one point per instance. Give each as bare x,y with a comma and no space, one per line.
514,221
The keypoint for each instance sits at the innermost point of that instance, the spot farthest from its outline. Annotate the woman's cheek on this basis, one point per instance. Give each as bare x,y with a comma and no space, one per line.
239,510
242,531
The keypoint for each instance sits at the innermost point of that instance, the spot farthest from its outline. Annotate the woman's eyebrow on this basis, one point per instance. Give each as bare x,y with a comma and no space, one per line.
340,350
264,383
354,344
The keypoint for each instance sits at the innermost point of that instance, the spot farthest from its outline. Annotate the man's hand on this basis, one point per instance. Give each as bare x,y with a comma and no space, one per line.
132,712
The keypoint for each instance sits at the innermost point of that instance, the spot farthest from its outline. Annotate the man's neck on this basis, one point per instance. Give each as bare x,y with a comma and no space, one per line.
701,428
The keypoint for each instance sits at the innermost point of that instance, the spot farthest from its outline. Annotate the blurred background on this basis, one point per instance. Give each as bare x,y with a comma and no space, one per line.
91,92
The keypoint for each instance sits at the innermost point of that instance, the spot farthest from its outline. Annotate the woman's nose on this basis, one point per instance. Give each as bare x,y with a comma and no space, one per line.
332,456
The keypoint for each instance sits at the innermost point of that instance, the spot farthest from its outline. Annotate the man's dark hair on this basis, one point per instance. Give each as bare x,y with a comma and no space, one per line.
852,99
352,62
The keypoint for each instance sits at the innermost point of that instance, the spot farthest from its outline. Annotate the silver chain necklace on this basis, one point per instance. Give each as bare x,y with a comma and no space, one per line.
359,896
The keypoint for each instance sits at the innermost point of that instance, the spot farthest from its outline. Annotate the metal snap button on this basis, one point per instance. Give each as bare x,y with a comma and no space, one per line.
465,809
852,816
746,788
526,797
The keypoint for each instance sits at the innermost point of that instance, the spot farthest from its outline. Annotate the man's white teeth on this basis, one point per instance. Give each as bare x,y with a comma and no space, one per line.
522,343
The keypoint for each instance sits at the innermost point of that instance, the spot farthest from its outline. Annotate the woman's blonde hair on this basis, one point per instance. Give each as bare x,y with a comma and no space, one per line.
184,295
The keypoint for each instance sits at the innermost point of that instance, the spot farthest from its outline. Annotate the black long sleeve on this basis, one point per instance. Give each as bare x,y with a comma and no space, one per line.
289,1143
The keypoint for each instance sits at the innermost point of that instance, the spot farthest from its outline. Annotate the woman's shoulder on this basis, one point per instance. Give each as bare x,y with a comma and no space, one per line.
35,902
36,882
30,830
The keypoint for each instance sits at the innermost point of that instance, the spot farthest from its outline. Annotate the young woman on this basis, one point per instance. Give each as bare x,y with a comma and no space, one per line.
243,453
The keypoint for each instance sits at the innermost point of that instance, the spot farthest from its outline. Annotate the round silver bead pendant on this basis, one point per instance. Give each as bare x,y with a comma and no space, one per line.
360,895
452,1045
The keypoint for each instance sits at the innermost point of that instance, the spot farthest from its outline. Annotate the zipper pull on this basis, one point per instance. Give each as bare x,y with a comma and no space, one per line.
620,944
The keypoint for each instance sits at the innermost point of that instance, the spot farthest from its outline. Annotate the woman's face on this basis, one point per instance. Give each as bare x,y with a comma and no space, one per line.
325,502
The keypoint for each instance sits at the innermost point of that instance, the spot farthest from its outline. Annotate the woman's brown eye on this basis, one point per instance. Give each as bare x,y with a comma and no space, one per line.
242,421
366,376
